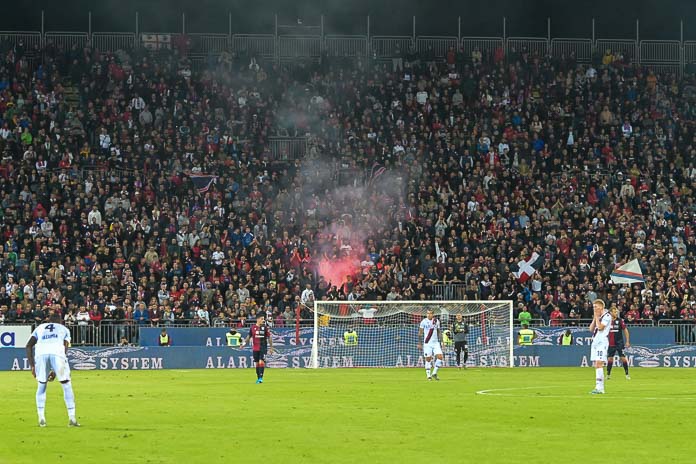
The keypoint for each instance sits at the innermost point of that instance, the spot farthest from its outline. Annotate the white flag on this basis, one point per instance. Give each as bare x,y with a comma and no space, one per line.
157,41
629,273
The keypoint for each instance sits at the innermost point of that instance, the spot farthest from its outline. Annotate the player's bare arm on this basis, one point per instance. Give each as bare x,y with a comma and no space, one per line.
626,337
30,354
420,337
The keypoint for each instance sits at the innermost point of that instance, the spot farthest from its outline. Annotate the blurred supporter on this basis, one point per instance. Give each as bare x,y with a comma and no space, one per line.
129,181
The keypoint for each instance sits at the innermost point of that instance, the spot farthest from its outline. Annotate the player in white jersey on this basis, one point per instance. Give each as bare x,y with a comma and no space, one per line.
47,350
601,325
429,332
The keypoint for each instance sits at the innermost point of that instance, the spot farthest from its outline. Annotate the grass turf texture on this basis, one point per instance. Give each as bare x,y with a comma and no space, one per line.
353,415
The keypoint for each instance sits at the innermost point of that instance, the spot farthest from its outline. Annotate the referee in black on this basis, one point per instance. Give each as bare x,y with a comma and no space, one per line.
460,330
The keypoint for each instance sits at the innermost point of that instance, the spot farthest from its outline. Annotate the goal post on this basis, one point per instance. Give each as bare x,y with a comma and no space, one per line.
385,333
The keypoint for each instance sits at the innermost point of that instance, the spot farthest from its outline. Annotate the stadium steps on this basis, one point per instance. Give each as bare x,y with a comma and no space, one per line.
71,94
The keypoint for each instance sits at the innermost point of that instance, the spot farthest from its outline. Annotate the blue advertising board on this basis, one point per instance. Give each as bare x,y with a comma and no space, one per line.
194,348
204,348
151,358
204,336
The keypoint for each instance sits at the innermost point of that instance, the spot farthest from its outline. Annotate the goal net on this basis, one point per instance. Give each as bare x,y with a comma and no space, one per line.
385,333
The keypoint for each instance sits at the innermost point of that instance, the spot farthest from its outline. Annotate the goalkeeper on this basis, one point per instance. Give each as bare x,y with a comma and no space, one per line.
460,329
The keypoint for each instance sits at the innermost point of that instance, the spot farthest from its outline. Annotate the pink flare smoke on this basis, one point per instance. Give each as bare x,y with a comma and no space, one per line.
336,270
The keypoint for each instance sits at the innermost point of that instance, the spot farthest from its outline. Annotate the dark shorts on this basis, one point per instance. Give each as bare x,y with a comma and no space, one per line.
259,355
460,346
614,350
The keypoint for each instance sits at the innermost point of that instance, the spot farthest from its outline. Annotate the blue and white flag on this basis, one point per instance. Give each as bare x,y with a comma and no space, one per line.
202,182
629,273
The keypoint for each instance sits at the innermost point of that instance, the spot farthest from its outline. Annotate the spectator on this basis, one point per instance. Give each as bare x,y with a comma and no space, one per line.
556,317
566,338
524,316
462,182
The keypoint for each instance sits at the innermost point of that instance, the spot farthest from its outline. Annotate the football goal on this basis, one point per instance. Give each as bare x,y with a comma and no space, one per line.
385,333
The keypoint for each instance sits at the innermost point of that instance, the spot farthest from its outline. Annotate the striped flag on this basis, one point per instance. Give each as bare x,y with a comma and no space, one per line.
202,182
157,41
375,172
629,273
526,268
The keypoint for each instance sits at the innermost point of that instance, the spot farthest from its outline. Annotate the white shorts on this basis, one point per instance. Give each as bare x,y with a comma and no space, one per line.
59,364
432,349
598,352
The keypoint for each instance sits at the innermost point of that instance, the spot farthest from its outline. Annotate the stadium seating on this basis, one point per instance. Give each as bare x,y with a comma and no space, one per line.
148,193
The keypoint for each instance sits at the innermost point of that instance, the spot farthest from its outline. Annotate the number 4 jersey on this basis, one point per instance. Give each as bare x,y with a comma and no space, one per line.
50,339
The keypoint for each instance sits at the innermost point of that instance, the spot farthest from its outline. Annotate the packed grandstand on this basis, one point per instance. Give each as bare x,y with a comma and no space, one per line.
137,190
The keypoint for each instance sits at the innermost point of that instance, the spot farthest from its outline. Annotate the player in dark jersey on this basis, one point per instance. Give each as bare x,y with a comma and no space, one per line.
618,340
261,341
460,330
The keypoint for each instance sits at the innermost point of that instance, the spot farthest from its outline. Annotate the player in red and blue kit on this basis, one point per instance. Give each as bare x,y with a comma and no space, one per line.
261,341
618,340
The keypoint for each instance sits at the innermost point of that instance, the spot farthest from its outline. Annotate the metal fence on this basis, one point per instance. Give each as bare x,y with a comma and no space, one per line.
67,40
294,47
258,45
661,55
450,292
572,322
30,40
486,45
209,43
346,46
112,41
437,46
105,333
580,48
689,52
391,46
660,51
628,48
532,323
684,332
534,45
287,148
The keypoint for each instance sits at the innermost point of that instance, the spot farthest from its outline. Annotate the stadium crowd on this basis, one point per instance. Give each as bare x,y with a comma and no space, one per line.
426,175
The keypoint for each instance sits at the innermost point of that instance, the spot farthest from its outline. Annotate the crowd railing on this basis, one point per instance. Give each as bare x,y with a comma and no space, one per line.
660,55
684,330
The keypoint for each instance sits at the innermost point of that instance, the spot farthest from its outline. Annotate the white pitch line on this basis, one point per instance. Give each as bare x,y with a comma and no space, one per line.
493,392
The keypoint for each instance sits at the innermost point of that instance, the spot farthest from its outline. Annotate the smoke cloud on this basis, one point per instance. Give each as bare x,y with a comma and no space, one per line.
351,218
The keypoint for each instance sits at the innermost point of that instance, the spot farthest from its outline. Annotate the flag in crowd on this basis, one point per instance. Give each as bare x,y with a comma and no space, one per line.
526,268
629,273
202,182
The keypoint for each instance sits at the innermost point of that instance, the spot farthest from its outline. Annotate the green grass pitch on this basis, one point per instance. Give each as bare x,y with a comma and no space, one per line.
354,416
